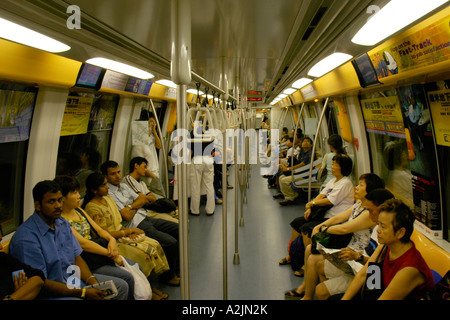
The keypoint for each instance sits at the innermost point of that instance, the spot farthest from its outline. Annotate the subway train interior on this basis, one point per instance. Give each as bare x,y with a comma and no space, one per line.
374,72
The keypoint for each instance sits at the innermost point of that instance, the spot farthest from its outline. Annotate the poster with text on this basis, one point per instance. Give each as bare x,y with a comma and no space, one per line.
76,115
423,48
422,156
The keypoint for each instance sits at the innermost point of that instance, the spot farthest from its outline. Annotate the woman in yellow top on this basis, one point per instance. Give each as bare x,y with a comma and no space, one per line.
132,242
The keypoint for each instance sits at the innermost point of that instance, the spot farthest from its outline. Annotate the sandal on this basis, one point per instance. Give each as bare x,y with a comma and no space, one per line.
284,262
293,294
159,295
299,273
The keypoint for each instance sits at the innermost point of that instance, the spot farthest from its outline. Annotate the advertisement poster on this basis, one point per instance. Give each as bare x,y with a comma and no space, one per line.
383,116
422,48
440,110
76,115
422,157
16,110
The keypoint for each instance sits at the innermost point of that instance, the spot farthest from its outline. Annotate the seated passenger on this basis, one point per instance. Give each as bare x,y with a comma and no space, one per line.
45,242
25,285
138,168
125,197
337,196
302,159
105,215
336,146
130,205
399,267
292,155
338,279
100,259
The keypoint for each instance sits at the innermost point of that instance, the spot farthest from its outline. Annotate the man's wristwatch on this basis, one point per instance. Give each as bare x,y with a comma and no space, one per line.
360,258
129,206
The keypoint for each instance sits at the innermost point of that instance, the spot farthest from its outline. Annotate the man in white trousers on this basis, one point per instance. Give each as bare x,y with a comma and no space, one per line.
201,171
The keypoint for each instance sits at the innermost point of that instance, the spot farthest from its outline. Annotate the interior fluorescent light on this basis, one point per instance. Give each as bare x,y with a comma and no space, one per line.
167,83
120,67
393,17
300,83
329,63
282,96
273,103
194,91
17,33
289,91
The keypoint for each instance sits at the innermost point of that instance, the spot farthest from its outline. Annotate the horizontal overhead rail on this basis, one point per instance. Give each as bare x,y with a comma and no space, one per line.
205,82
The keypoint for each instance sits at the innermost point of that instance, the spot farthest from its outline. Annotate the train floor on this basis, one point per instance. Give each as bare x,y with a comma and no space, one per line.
262,242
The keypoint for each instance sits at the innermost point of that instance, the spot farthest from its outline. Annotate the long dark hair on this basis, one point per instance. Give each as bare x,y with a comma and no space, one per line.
336,142
93,182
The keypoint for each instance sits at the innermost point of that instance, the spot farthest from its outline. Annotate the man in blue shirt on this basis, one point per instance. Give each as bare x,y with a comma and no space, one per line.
45,242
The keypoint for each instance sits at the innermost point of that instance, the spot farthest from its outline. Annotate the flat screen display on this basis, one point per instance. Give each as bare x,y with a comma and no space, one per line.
365,70
90,76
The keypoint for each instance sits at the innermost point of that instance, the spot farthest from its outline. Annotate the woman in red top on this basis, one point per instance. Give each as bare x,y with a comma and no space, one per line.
404,273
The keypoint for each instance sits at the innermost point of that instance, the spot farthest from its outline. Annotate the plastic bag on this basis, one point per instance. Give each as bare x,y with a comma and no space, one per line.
142,288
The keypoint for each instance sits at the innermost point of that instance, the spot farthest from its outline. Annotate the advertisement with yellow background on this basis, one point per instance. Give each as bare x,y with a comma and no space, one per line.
383,116
440,110
76,115
425,47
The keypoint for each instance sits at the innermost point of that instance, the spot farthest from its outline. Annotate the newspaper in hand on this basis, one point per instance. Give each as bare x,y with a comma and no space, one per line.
332,255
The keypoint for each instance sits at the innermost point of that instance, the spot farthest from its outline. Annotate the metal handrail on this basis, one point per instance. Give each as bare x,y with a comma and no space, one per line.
316,137
166,170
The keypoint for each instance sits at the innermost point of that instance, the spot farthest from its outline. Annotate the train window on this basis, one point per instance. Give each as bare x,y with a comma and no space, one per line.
387,142
85,134
17,106
403,147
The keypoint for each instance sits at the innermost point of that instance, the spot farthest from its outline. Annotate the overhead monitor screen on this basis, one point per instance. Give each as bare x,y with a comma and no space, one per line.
365,70
90,76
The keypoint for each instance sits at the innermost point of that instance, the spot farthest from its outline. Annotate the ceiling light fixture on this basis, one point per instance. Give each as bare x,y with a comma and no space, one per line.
194,91
120,67
393,17
300,83
167,83
14,32
289,91
329,63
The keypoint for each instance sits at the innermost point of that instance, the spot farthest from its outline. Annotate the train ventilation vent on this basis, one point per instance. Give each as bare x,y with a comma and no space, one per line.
315,21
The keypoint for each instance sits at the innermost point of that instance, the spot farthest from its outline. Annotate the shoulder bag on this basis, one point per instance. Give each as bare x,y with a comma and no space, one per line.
372,292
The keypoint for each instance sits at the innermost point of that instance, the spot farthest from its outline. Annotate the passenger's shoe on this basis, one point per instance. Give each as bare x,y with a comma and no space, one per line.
287,202
210,214
278,195
174,282
219,201
193,214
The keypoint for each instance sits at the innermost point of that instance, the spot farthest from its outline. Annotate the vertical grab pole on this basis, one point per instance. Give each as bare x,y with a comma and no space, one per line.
316,137
236,259
166,171
224,87
180,72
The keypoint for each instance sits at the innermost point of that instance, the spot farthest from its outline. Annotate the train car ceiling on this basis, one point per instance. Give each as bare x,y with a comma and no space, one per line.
265,45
